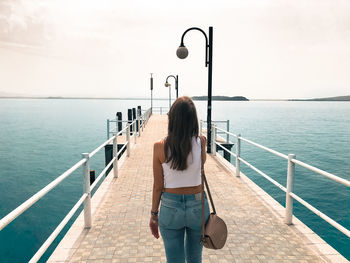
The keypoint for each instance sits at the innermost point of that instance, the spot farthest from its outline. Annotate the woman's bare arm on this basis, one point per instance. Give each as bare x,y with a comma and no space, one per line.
204,150
158,184
158,180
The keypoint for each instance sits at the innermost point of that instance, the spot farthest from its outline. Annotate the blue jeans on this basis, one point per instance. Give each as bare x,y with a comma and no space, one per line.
180,226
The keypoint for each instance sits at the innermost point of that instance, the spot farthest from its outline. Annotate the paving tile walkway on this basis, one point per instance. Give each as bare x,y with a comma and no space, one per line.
120,231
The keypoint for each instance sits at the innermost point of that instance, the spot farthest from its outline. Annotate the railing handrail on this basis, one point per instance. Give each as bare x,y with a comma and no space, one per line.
214,121
322,172
160,108
220,121
108,141
229,133
289,190
58,229
116,120
305,165
131,122
100,147
36,197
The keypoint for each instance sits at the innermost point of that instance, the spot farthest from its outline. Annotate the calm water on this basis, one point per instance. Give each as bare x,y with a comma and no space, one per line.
40,139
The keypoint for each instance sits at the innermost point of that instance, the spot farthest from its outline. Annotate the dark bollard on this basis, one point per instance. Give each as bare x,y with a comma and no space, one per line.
227,156
133,113
134,118
119,123
228,146
92,176
109,154
139,112
130,120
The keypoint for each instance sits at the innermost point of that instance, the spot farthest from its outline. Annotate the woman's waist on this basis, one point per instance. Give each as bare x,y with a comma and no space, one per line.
173,197
189,190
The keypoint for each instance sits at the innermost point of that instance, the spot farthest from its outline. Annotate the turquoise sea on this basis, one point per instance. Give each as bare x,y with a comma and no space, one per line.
42,138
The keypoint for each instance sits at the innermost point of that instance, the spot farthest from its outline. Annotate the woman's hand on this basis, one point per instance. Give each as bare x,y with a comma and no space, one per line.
153,224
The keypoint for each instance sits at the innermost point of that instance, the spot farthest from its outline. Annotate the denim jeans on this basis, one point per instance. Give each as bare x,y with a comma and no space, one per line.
180,220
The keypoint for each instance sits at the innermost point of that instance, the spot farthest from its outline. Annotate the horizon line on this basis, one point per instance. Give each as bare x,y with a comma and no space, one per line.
142,98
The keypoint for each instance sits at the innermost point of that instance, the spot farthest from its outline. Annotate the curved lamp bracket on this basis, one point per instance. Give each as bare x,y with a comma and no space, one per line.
169,77
166,81
206,42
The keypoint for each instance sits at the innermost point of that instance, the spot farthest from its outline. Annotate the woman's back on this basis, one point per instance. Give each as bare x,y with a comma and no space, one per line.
189,177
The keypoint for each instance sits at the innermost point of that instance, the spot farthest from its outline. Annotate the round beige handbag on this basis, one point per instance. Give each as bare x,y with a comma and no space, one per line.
214,231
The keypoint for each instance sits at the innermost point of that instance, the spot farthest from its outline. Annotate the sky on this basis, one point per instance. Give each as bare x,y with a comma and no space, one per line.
262,49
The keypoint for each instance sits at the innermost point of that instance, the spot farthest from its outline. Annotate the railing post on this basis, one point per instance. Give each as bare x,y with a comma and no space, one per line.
290,184
200,127
238,153
135,133
116,123
138,124
115,154
227,129
143,122
213,139
87,202
160,110
130,119
107,129
119,121
128,140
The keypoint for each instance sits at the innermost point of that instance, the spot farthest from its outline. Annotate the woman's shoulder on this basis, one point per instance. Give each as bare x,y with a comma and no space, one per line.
159,144
158,150
203,139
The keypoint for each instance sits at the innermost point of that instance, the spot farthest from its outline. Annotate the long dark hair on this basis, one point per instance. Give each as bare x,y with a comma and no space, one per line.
182,126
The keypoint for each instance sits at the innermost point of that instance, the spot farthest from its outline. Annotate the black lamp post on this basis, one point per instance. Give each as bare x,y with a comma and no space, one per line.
182,52
176,83
168,85
151,86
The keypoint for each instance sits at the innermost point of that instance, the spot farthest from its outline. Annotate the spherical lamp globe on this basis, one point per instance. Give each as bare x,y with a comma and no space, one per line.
182,52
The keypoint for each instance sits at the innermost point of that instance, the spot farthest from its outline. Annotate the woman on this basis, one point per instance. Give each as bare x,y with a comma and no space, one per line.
177,182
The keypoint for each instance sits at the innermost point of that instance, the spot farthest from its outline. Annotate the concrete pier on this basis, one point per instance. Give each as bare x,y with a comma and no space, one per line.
121,212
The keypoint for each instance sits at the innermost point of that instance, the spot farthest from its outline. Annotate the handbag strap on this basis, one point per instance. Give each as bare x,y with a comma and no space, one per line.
204,181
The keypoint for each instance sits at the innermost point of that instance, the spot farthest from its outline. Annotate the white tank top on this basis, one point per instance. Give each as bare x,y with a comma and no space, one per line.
191,176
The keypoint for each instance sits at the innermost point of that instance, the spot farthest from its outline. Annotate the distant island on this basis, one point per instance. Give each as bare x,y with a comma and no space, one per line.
223,98
339,98
6,95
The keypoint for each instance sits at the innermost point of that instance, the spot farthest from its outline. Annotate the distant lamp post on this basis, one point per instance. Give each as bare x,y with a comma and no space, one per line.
182,53
168,85
176,83
151,86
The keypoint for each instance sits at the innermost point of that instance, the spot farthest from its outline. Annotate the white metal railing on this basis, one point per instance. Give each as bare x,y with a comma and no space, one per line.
86,196
138,123
160,110
291,162
219,122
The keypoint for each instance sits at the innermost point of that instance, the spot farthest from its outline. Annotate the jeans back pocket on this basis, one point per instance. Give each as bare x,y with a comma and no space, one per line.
166,216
